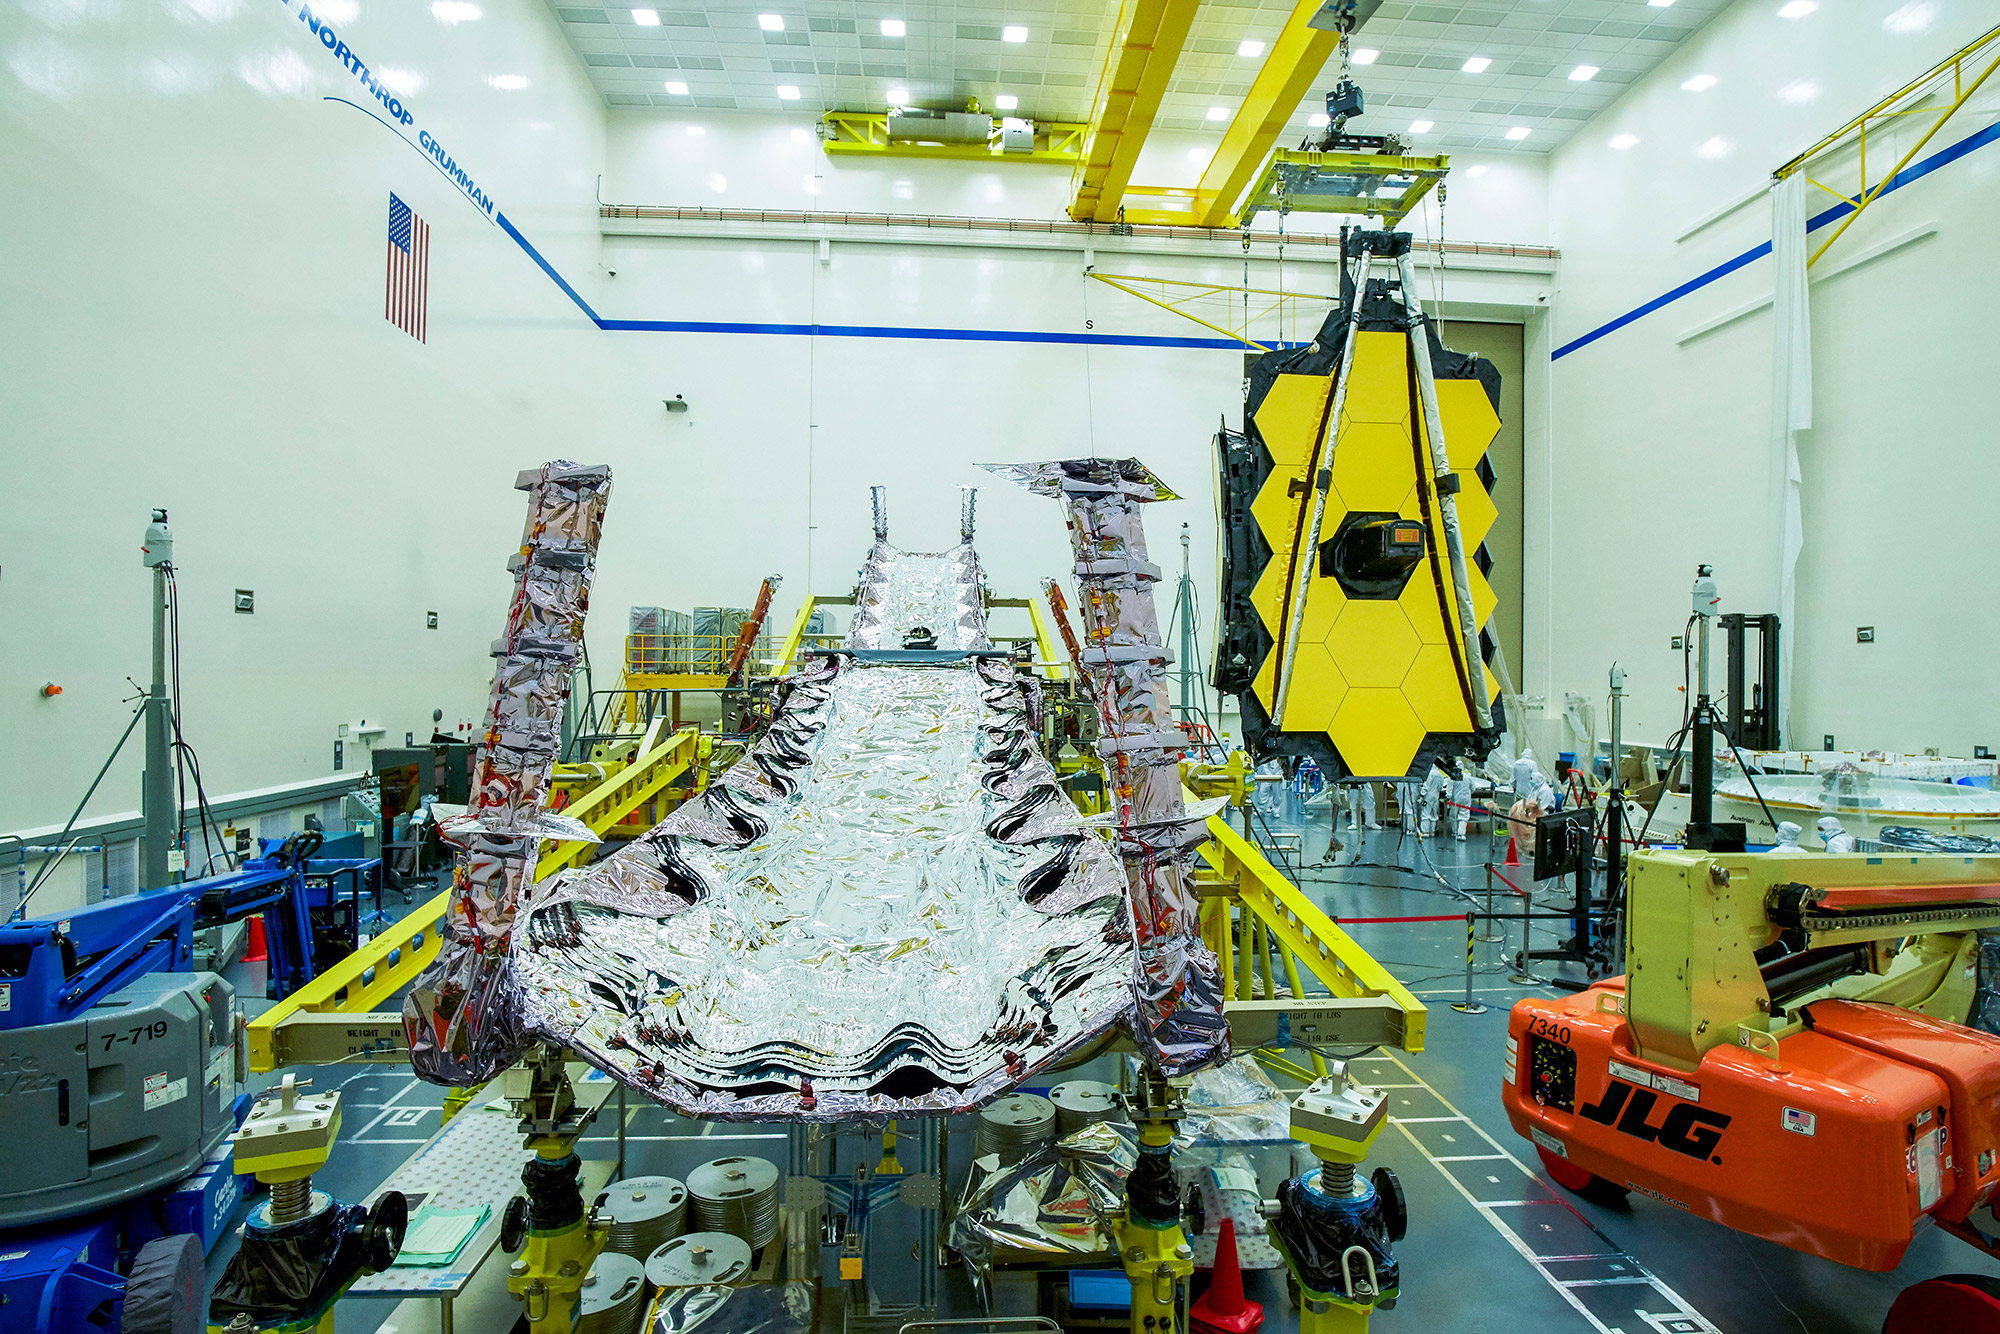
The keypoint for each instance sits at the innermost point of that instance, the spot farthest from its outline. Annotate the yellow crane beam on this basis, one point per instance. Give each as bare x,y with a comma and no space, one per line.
1296,59
1144,50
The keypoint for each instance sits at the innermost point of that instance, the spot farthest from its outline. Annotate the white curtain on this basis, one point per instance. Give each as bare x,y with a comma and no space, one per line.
1791,410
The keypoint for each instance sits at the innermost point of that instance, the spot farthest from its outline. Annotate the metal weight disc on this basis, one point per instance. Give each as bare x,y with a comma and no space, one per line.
699,1257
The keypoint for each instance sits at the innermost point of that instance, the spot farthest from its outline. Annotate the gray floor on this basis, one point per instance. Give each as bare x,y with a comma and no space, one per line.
1492,1243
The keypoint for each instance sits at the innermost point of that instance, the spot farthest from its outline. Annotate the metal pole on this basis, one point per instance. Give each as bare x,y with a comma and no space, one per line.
1702,791
158,791
1469,1005
927,1159
1496,935
1186,601
1319,480
1521,976
621,1134
1446,486
1614,863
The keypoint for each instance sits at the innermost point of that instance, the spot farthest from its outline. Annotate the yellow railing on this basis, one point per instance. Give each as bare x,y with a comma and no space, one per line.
661,757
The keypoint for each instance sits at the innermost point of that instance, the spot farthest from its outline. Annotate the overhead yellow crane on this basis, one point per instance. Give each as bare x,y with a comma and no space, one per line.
1144,49
1296,59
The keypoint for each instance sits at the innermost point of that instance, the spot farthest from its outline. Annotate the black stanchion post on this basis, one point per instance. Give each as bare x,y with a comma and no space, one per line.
1469,1005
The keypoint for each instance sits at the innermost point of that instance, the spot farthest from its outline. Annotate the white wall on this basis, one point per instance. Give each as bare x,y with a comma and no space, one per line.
1659,452
192,253
193,240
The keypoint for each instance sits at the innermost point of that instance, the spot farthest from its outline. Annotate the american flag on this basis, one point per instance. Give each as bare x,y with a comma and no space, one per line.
409,270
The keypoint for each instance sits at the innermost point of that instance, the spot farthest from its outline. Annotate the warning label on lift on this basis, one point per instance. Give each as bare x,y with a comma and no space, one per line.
159,1090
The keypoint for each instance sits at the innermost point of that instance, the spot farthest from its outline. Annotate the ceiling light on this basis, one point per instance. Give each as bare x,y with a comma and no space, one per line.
646,18
1363,55
510,83
1583,74
788,93
1249,50
1621,142
1714,148
771,22
1198,154
677,88
1659,4
893,28
1700,83
1476,65
1317,119
1420,127
1799,90
454,11
696,131
1006,102
1798,9
1479,170
899,97
1013,32
1218,113
1518,133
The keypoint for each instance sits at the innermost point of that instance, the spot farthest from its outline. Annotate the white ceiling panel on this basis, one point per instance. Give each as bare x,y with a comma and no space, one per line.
835,54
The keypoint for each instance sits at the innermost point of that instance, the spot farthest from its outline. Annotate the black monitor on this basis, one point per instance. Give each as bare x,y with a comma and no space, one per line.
1562,842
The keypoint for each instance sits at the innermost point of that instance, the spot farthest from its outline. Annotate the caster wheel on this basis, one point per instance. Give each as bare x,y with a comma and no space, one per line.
1579,1181
1969,1303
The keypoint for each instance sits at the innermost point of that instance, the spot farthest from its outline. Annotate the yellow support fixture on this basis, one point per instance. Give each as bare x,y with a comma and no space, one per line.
348,994
1306,180
1298,926
1296,59
1140,60
867,132
1045,648
659,761
790,650
1243,338
1925,86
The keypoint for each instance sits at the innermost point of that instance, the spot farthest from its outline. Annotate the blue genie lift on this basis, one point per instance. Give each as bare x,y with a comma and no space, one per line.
120,1079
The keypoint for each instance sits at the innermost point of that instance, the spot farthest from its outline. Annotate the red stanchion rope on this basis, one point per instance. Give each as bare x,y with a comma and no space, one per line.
1351,921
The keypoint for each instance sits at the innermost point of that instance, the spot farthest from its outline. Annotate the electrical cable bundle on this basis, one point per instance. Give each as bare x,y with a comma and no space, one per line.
738,1196
1012,1126
645,1214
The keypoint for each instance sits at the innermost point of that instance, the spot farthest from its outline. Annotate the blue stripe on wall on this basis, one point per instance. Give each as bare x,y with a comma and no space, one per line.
1909,175
866,330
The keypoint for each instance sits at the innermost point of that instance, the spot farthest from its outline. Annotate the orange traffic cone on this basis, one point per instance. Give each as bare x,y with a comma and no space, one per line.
1223,1309
257,958
1513,856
